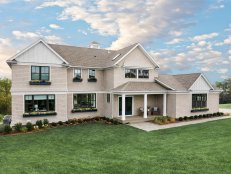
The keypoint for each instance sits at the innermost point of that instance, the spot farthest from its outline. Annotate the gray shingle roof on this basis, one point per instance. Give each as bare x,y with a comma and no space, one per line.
180,81
89,57
140,86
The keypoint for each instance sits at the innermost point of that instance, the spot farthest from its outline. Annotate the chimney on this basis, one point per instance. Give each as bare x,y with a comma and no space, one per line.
94,44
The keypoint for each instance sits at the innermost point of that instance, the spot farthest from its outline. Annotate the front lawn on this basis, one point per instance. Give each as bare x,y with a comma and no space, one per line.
225,106
99,148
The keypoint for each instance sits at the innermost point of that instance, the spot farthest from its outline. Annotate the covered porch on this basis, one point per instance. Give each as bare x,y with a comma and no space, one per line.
134,107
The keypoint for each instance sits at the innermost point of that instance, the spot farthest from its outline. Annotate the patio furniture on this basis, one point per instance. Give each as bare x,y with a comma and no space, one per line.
141,111
155,111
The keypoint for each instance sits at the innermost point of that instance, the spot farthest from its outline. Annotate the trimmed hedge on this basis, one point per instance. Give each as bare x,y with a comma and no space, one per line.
216,114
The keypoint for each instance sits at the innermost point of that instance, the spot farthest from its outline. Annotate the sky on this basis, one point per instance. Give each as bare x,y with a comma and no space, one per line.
183,36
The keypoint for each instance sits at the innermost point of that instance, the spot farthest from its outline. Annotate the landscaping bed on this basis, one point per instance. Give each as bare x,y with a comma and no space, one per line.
162,120
44,124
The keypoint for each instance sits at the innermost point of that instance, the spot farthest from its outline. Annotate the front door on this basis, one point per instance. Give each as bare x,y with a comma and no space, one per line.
128,106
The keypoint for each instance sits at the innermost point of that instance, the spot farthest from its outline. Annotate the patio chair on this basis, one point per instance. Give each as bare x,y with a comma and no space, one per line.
155,111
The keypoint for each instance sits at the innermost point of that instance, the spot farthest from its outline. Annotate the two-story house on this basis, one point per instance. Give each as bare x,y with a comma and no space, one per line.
61,82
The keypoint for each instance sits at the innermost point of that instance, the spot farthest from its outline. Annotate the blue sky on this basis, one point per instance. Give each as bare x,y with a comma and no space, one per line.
183,36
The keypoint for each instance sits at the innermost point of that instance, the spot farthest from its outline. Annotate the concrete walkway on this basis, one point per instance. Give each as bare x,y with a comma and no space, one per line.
225,110
147,126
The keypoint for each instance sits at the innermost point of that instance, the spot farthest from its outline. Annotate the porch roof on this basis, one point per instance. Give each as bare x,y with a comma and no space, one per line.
141,87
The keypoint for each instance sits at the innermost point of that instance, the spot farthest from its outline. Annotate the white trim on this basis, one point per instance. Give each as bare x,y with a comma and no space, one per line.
165,85
39,64
32,45
116,56
125,105
201,75
143,50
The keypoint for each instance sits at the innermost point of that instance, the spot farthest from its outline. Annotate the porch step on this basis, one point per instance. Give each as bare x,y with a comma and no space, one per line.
134,119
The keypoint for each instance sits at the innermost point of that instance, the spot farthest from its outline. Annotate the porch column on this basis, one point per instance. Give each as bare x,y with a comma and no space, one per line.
164,105
123,106
145,106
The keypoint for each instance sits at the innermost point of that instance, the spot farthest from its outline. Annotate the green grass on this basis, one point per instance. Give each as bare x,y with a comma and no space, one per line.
98,148
225,106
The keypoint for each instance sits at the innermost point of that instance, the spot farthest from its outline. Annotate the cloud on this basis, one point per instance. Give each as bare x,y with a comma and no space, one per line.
204,37
174,41
130,22
222,71
228,40
55,26
6,51
24,35
4,1
82,31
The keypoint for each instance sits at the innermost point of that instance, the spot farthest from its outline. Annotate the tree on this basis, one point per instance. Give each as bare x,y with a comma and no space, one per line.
225,96
5,96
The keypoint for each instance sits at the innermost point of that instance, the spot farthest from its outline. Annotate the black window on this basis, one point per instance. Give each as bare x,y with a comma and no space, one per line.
91,73
143,73
40,73
108,98
199,101
84,101
77,73
130,73
39,103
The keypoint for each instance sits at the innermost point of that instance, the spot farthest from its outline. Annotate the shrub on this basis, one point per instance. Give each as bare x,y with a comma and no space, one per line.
24,129
191,117
45,121
80,121
180,118
18,127
67,122
221,113
60,123
7,129
204,115
200,116
1,128
185,118
54,124
214,114
72,121
1,118
39,123
29,126
195,116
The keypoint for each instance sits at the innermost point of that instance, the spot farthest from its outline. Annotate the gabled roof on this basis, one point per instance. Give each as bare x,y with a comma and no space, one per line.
140,87
180,82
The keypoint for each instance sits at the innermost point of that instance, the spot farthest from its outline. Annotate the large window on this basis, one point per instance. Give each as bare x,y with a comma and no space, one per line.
40,73
40,103
143,73
130,73
77,73
84,101
91,73
136,73
199,101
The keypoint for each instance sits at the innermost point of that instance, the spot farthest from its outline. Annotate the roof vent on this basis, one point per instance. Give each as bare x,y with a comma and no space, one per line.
94,44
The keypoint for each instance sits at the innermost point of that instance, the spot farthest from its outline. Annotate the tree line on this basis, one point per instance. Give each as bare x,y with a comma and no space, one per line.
5,96
225,96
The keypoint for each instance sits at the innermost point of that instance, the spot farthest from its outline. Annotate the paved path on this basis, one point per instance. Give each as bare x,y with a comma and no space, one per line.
225,110
147,126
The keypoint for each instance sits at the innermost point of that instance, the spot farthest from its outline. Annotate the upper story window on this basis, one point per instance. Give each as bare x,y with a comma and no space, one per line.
40,73
199,101
108,98
77,73
91,73
143,73
130,73
136,73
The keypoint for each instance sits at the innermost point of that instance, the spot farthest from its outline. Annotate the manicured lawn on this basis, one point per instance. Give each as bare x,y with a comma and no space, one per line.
98,148
225,106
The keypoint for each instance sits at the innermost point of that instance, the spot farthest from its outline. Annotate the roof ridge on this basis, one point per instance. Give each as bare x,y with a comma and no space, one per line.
186,74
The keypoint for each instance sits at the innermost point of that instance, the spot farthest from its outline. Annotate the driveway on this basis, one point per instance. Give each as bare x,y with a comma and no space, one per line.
147,126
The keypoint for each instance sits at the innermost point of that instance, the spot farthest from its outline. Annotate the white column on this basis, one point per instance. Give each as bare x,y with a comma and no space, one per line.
123,106
164,105
145,106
